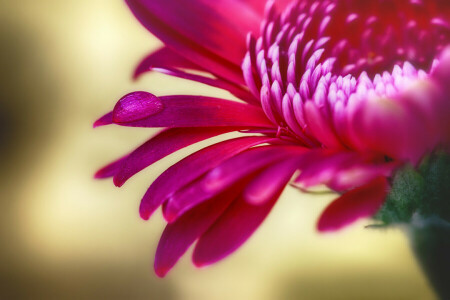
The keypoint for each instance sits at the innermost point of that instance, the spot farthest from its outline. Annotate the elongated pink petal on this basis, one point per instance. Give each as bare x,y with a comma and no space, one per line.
231,230
185,111
236,90
201,30
163,58
321,166
427,103
441,104
392,128
359,174
111,169
107,119
225,175
259,5
214,25
342,170
320,126
249,76
184,46
359,203
161,145
192,167
267,184
179,235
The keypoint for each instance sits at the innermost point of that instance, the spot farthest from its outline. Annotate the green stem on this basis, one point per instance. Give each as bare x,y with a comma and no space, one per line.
420,198
430,240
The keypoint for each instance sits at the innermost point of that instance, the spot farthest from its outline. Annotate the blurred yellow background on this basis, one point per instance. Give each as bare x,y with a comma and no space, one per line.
67,236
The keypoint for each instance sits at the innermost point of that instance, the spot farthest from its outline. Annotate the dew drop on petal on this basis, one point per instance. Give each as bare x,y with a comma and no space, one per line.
136,106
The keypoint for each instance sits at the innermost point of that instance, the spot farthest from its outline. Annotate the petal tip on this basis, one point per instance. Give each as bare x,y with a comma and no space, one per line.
135,76
144,214
118,181
104,120
198,262
361,202
138,72
254,198
161,272
99,175
324,227
170,216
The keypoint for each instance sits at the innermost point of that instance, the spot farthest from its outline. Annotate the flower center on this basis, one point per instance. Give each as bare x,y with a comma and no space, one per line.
334,53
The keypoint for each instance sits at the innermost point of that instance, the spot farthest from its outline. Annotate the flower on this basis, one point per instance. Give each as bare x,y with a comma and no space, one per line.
343,91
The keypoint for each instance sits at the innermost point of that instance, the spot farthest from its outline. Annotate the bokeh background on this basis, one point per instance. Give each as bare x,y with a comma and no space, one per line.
66,236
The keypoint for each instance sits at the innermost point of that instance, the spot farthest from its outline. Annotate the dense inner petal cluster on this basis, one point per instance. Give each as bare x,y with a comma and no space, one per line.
313,63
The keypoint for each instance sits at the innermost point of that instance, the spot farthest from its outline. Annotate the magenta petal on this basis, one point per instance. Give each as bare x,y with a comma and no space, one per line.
442,105
111,169
164,58
179,235
342,170
136,106
321,166
246,162
267,184
219,26
259,5
249,76
104,120
320,126
358,203
391,127
161,145
234,89
359,174
187,111
203,31
231,230
191,168
225,175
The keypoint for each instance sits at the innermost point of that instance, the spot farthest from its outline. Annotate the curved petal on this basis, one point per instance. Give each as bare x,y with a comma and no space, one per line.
320,126
111,169
441,106
142,109
320,166
181,234
359,203
106,119
358,174
240,92
161,145
210,33
231,230
220,26
342,170
226,174
164,58
390,127
260,6
192,167
267,184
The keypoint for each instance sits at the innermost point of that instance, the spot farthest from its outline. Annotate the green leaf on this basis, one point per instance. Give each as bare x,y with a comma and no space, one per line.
407,192
424,191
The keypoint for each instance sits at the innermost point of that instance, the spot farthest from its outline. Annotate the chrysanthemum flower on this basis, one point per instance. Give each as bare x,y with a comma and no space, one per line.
340,93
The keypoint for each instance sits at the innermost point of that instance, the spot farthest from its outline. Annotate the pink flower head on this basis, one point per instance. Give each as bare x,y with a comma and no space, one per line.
339,93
